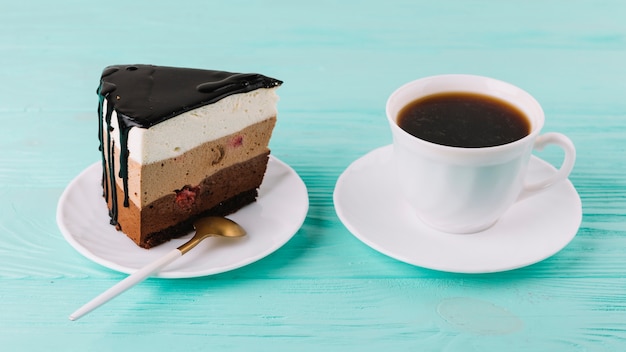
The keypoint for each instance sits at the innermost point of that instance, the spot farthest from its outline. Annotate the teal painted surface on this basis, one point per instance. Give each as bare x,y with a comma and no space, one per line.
324,290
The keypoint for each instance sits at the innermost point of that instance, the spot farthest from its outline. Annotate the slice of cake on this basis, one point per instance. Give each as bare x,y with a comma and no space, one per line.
180,143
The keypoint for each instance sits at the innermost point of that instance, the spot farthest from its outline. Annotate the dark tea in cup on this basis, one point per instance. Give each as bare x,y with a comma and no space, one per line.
463,119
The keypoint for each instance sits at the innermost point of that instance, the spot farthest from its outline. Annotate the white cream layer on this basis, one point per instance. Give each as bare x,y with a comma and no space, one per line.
188,130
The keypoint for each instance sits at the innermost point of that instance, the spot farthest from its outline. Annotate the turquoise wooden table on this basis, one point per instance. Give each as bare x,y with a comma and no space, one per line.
324,289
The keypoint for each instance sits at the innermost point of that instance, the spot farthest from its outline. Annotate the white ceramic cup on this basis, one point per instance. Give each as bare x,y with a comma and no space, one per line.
466,190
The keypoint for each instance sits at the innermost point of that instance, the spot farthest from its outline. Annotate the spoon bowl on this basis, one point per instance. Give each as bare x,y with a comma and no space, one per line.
212,226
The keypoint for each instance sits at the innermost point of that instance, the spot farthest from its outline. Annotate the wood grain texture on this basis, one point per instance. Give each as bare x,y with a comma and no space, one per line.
324,290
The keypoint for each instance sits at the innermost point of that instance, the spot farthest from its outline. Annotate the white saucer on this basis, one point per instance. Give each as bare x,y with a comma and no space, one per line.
531,231
270,222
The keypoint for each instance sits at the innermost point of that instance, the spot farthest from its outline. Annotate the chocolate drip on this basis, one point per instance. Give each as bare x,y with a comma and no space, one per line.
125,126
145,95
105,188
110,169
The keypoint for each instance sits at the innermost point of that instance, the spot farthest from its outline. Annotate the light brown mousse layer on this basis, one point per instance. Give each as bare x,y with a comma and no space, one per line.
218,177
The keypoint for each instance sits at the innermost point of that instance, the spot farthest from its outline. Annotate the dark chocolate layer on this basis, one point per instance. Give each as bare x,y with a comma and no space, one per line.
147,94
184,227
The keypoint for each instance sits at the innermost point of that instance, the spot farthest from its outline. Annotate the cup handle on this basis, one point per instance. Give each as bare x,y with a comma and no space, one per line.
562,173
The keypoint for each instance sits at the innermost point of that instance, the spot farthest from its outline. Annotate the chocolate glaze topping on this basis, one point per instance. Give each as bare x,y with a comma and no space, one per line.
145,95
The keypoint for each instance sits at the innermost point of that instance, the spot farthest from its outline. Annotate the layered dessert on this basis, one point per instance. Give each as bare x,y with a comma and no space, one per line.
180,143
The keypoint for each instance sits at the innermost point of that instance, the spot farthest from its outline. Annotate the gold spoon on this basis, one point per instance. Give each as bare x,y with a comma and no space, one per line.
205,227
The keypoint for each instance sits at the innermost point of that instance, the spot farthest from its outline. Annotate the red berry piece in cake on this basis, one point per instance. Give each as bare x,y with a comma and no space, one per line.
186,197
237,141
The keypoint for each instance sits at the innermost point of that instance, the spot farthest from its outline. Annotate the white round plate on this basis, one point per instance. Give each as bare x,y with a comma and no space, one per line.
270,222
532,230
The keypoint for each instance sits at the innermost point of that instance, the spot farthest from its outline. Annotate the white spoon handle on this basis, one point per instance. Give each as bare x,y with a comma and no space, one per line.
127,283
